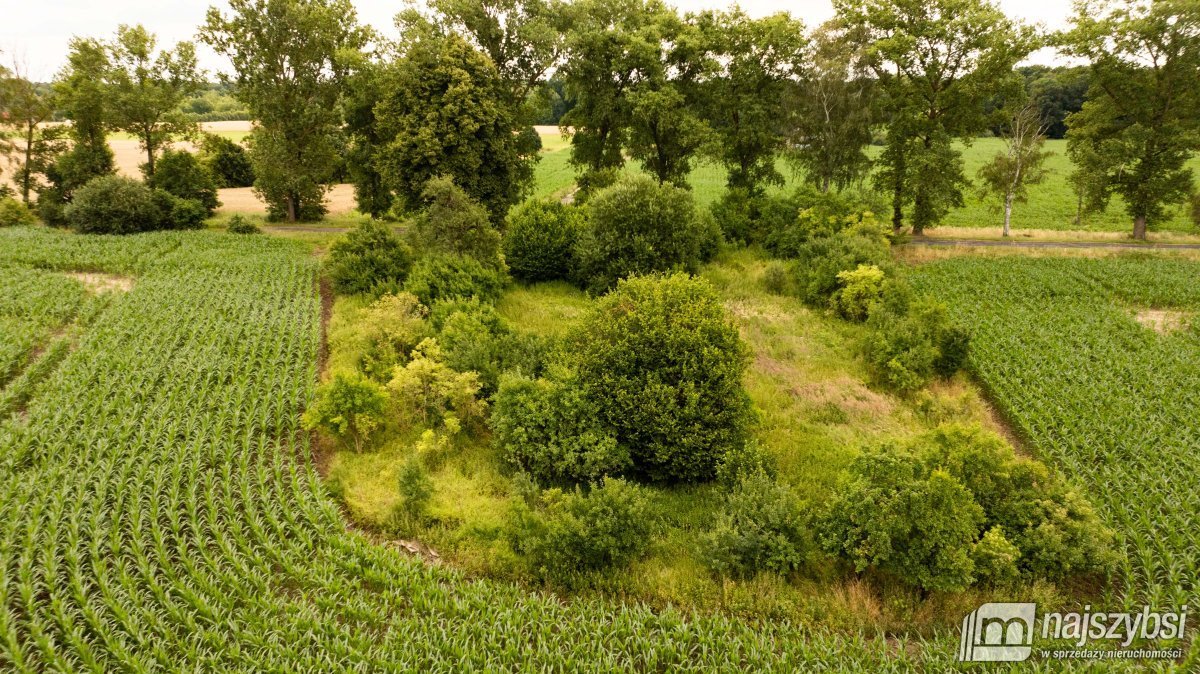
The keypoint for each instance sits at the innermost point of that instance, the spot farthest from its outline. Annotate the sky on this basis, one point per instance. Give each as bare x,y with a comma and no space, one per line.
36,35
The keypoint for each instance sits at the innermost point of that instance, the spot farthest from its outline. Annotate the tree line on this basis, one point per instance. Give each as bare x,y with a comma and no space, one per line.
635,80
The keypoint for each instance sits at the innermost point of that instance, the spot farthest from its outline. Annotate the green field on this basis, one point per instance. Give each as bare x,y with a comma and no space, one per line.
1111,400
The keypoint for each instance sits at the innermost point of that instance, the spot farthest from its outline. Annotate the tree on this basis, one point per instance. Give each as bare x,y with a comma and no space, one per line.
1020,164
1139,125
758,60
445,112
289,61
613,45
830,114
26,107
937,64
145,90
1058,92
363,90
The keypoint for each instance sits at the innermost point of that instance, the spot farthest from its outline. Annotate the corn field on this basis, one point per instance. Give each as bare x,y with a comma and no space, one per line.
159,509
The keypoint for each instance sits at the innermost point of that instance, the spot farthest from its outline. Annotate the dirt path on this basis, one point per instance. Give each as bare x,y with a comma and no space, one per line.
991,243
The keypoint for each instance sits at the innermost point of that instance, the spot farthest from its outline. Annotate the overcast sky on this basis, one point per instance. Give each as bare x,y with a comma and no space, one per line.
37,34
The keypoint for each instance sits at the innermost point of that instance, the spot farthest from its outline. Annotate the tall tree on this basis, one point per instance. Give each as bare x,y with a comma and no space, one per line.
445,111
289,61
612,46
937,63
1021,162
1141,122
27,107
831,113
758,60
145,89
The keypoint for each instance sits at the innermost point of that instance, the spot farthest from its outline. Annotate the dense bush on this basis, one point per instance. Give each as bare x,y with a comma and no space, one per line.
819,261
240,225
547,428
116,205
369,258
226,161
911,343
762,527
179,173
635,227
430,392
349,407
416,491
454,223
661,363
13,213
539,243
810,215
575,532
389,329
860,290
476,339
743,461
957,507
439,277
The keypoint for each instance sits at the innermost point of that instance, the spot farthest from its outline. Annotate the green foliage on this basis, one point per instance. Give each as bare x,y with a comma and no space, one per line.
349,407
389,329
15,214
789,223
226,161
287,58
762,527
476,339
861,290
446,111
455,224
576,532
661,364
547,428
539,242
909,345
369,258
819,262
441,277
429,392
416,489
240,225
743,461
995,558
116,205
178,172
637,227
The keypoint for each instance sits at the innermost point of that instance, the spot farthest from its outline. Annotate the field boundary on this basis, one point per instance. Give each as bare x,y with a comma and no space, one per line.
992,243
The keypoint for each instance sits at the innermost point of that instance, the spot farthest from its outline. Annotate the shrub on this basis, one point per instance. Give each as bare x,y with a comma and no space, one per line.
957,506
819,261
661,364
226,161
389,329
909,345
575,532
179,173
13,213
591,182
476,339
239,225
540,240
635,227
547,429
743,461
861,289
762,527
456,224
369,259
117,205
349,407
811,215
430,392
895,516
747,218
416,489
777,279
440,277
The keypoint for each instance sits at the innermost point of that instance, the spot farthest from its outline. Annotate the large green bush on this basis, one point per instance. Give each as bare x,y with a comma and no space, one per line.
819,261
117,205
226,161
661,363
539,244
179,173
13,213
913,342
369,258
438,277
453,223
573,533
762,527
350,407
956,507
636,227
476,339
547,428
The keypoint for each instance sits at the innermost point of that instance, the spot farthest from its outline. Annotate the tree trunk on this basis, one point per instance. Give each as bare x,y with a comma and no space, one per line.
149,158
825,185
1008,201
291,207
897,208
26,174
1139,228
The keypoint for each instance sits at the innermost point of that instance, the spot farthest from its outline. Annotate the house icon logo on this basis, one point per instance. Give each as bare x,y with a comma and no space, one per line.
997,633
